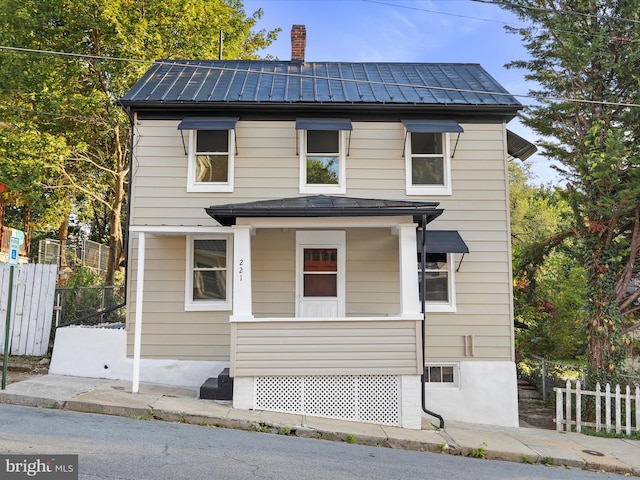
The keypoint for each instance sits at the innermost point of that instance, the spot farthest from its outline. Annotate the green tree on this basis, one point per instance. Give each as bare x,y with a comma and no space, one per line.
549,283
584,59
82,90
29,164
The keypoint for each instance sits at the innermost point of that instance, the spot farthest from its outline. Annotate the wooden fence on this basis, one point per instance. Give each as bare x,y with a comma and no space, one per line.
621,410
31,307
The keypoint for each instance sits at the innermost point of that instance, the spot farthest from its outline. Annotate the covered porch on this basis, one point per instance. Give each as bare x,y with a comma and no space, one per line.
360,358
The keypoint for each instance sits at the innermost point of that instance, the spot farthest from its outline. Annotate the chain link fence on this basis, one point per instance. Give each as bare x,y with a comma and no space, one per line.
78,252
74,303
546,374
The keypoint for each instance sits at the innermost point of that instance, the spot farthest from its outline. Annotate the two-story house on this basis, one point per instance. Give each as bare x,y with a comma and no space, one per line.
336,234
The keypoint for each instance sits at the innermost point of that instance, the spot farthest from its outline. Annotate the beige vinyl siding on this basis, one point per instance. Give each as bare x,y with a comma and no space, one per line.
482,327
372,278
168,331
273,255
267,166
326,348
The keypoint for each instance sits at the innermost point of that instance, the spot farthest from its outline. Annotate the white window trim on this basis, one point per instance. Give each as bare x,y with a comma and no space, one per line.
341,187
412,189
450,306
442,385
192,185
213,305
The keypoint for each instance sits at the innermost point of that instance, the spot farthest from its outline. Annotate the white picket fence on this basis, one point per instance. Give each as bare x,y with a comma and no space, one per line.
618,408
31,307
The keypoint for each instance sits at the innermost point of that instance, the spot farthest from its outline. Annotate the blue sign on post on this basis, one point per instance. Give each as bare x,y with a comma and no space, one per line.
14,245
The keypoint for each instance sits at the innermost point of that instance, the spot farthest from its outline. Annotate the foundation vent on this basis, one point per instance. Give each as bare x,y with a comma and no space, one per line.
360,398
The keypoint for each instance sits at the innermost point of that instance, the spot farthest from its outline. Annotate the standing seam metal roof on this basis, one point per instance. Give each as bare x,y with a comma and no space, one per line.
258,81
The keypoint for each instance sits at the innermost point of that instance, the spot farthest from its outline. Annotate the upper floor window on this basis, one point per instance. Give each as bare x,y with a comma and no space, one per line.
427,156
322,155
211,152
208,280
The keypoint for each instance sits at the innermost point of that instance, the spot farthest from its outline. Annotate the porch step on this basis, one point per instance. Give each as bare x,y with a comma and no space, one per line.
218,388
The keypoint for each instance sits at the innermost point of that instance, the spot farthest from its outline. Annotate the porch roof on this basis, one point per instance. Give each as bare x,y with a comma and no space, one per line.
323,206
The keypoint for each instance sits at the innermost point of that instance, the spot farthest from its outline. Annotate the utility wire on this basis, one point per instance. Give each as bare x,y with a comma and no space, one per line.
319,77
560,11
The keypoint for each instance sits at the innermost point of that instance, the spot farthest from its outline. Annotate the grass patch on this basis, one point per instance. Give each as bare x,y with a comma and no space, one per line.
612,434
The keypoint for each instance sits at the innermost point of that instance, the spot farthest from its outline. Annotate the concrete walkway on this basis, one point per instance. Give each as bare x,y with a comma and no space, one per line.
174,404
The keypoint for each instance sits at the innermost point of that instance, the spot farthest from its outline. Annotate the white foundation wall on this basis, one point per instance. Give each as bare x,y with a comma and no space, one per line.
487,394
101,353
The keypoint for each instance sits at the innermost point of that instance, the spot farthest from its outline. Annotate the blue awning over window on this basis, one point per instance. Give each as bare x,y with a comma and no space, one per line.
208,123
443,241
323,124
432,126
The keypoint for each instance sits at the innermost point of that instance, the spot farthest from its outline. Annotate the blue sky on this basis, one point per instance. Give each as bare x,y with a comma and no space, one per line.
406,31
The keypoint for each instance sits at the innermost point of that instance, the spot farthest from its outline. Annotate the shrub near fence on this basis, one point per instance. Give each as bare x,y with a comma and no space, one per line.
598,409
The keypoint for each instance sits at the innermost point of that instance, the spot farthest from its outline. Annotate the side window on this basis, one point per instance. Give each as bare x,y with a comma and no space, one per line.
208,281
439,282
211,158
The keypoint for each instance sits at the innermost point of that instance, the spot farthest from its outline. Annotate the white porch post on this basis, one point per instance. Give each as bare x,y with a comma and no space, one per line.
242,303
137,339
409,297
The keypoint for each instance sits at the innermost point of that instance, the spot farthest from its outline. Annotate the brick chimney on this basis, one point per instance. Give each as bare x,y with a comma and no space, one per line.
298,42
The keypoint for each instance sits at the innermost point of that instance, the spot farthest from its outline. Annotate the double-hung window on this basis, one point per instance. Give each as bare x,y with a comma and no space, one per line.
322,145
428,156
211,152
208,279
439,273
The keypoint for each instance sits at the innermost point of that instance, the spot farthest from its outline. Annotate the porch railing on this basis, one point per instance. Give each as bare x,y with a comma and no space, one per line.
601,410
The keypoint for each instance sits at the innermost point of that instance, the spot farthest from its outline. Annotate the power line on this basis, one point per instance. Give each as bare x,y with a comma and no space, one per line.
320,77
81,118
561,11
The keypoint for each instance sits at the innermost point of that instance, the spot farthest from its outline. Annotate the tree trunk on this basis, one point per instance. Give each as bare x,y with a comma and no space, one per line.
63,233
116,250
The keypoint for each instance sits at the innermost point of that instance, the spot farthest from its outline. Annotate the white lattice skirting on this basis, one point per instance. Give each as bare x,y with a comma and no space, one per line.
361,398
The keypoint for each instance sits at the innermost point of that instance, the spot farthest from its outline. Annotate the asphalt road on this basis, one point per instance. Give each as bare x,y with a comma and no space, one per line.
116,448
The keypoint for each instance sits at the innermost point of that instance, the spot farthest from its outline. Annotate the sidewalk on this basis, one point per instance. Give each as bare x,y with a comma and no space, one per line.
523,445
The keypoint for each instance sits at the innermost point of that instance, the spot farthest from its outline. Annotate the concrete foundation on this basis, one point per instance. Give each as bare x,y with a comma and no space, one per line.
101,353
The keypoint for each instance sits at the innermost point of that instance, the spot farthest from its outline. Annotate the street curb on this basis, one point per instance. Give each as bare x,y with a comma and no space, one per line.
29,401
263,424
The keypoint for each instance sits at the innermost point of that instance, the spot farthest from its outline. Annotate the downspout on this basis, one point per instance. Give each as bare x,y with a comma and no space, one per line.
423,295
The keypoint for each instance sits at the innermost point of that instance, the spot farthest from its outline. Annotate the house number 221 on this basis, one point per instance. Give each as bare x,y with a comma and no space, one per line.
240,269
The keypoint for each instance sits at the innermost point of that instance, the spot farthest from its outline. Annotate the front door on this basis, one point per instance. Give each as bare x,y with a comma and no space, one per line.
320,278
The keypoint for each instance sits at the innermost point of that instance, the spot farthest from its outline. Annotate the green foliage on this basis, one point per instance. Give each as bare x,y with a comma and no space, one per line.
83,293
549,283
321,172
351,439
30,167
589,57
73,98
479,452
